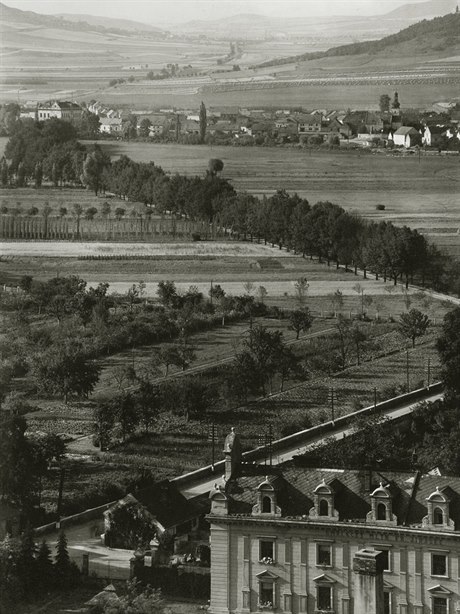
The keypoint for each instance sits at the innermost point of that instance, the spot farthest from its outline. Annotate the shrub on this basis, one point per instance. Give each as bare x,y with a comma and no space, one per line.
196,236
380,207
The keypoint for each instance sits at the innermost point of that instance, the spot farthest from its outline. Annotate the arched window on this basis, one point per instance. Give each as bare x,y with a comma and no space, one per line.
381,511
266,505
438,516
323,508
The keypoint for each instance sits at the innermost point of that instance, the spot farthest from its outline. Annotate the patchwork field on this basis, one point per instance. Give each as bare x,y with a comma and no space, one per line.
419,192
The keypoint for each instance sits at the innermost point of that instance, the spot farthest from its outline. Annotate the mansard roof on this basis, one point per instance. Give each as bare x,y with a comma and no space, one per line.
295,488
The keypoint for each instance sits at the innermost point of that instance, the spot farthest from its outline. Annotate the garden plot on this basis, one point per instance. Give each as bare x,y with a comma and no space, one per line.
77,250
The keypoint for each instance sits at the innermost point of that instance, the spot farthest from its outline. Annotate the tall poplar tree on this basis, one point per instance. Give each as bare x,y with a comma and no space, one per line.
203,122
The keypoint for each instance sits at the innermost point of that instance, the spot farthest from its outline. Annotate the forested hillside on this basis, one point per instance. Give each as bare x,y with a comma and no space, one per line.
438,35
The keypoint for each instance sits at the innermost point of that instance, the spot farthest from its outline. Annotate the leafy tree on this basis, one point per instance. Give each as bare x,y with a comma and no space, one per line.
106,209
21,176
38,176
17,470
215,166
343,331
65,372
138,600
127,416
413,324
119,213
358,337
90,213
144,127
448,346
300,320
384,103
104,416
336,300
301,288
203,123
131,526
184,353
93,169
148,403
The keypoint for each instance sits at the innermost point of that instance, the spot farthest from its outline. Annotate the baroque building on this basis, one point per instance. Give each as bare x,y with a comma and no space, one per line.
286,541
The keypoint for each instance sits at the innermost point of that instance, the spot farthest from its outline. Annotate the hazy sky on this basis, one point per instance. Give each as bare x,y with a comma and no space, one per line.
176,11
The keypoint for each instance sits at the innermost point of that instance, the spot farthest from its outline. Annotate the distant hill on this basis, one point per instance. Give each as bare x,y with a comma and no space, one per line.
422,10
11,15
109,22
440,35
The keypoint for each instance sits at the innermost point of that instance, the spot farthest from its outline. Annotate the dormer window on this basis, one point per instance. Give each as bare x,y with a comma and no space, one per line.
266,504
323,497
381,511
382,506
438,511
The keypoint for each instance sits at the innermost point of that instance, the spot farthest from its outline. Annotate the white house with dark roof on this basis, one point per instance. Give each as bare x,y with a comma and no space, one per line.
406,136
285,540
68,111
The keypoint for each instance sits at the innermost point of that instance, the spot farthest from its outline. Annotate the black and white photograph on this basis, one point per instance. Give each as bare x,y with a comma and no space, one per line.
229,307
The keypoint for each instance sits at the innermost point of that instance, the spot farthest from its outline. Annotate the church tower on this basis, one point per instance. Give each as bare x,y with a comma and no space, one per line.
396,121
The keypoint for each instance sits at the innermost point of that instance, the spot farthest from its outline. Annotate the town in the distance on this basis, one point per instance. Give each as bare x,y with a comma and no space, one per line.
392,126
230,312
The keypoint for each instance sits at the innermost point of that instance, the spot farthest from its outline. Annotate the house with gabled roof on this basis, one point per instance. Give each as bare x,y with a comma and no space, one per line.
68,111
406,136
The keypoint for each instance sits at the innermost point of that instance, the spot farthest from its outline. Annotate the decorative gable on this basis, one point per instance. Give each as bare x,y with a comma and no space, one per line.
323,497
266,505
324,579
439,590
438,512
382,507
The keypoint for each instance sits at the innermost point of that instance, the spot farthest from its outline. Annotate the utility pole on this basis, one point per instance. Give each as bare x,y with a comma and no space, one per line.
407,370
270,439
332,405
375,396
212,439
428,372
210,292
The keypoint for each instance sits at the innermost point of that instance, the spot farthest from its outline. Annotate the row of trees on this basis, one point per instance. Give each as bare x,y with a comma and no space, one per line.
28,570
325,230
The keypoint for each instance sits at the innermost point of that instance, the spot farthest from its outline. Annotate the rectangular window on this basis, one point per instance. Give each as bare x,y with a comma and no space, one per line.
439,605
323,555
266,550
438,565
266,593
324,598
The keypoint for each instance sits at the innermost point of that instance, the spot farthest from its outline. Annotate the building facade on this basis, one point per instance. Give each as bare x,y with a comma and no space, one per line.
286,542
68,111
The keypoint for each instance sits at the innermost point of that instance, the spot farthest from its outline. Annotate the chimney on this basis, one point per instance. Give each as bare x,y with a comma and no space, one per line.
368,565
232,454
